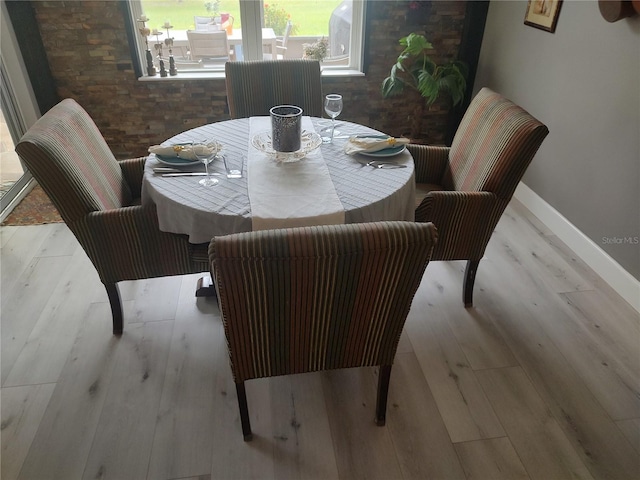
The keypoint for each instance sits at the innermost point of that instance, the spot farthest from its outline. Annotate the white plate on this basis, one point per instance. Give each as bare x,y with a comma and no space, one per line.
387,152
309,141
178,162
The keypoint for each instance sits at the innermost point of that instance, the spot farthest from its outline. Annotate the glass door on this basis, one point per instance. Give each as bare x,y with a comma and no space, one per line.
13,176
18,112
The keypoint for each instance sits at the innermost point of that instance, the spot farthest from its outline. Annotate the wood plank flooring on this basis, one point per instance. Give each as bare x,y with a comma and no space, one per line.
539,380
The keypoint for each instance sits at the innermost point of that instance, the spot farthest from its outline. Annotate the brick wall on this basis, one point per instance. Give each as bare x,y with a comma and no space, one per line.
88,53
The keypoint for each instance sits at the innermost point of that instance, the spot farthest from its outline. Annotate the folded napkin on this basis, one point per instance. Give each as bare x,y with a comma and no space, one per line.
185,150
358,144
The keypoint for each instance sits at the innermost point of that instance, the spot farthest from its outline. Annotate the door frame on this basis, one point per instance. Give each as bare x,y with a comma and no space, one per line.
18,102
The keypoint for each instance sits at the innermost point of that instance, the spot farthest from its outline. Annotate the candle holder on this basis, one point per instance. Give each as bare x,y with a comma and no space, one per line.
145,32
158,47
173,71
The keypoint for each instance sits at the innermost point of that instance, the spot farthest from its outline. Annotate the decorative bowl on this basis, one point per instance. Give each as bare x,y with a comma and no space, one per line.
309,141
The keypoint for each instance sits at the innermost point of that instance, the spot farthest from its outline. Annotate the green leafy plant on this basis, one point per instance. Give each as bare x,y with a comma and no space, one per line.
317,50
276,18
415,70
213,7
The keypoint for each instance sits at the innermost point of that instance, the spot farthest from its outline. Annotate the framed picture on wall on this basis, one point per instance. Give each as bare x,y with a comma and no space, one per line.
543,14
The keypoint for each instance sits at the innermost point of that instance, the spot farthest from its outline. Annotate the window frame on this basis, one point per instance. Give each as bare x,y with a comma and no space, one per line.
251,14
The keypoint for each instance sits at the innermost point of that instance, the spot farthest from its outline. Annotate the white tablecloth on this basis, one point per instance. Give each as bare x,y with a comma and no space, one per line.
185,207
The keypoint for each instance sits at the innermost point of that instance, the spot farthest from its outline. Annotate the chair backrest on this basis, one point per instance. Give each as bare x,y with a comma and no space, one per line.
203,24
287,32
67,155
493,146
214,45
316,298
253,87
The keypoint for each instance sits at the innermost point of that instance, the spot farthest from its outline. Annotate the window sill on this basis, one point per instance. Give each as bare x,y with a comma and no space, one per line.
183,76
194,75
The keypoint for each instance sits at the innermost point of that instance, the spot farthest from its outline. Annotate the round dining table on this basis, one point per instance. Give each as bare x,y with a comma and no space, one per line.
367,194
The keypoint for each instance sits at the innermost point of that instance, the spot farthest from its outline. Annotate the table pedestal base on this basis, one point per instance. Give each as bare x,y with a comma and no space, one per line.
205,288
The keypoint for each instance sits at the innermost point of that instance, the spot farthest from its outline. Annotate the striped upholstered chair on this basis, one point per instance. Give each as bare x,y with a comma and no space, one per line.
253,87
317,298
464,189
99,199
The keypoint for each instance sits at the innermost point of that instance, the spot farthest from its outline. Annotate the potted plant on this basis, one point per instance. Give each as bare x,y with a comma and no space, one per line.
317,50
213,7
415,70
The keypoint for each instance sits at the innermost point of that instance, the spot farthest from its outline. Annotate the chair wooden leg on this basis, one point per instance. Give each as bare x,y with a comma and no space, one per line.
383,390
244,412
206,287
469,280
116,308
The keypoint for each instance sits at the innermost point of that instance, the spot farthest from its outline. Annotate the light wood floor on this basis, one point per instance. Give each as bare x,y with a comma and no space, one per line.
540,380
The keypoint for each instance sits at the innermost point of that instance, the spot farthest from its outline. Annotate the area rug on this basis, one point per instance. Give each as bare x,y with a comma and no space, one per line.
34,209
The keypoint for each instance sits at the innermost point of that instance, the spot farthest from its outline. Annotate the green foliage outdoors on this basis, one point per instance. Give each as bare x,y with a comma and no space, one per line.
213,7
414,69
277,17
309,17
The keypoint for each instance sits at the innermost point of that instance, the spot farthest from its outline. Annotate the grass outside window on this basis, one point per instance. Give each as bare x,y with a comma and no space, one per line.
311,17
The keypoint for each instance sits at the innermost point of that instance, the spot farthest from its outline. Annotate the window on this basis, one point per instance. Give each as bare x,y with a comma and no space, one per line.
329,30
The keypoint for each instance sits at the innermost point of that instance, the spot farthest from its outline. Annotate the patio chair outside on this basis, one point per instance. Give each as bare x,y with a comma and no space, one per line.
204,24
281,45
209,46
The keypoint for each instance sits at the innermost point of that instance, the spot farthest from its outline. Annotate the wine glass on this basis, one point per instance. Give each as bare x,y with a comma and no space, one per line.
204,151
333,107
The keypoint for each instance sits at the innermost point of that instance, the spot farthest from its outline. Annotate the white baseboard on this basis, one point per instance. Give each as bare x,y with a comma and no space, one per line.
627,286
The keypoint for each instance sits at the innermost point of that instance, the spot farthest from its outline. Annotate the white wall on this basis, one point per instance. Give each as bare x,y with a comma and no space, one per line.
583,82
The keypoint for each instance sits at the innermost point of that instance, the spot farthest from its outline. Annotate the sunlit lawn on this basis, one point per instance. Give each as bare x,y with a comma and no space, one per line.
311,17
